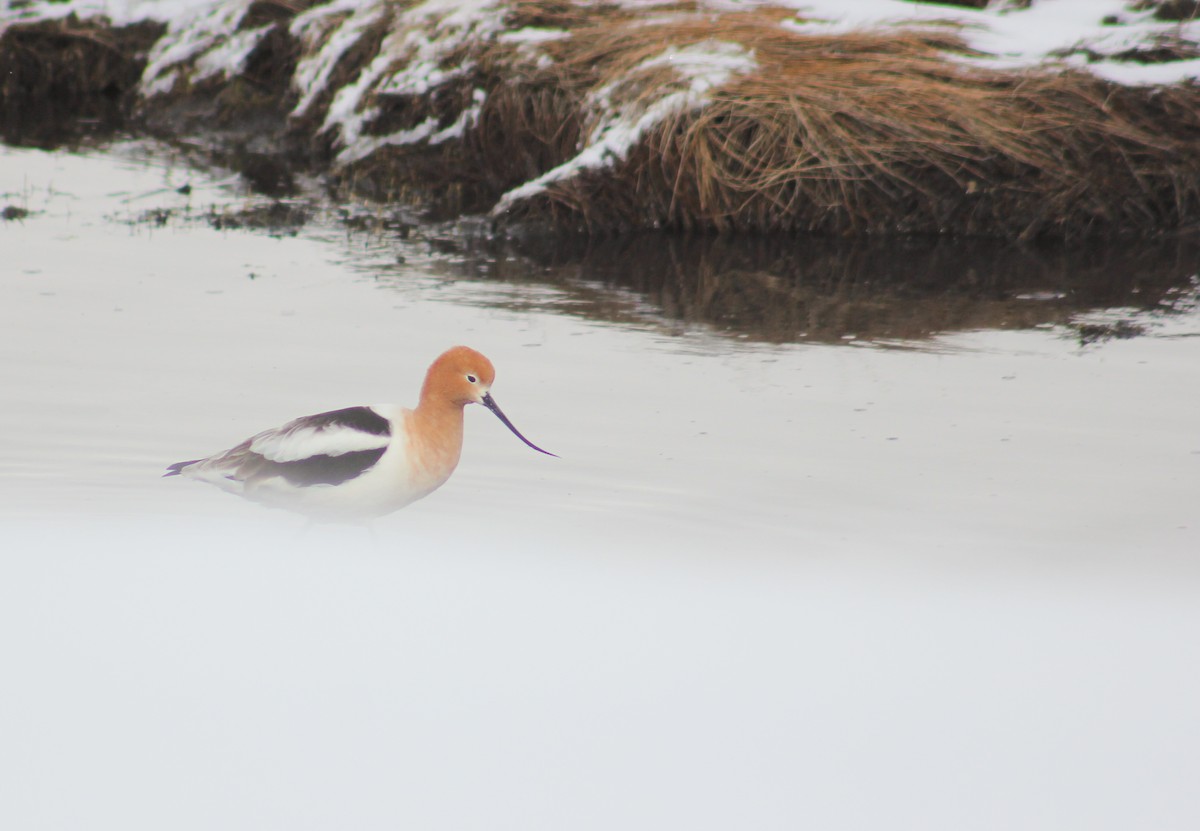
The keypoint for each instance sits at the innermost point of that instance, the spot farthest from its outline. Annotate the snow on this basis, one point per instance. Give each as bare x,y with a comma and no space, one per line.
529,40
420,42
1151,74
344,112
1009,37
202,42
423,73
188,37
228,57
120,12
349,20
438,30
700,68
427,132
199,31
1013,38
533,35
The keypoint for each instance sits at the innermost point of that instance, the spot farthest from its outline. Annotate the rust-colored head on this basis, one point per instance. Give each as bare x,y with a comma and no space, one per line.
459,376
462,376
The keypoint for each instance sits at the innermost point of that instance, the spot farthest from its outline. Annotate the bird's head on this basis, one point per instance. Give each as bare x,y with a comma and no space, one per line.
459,376
462,376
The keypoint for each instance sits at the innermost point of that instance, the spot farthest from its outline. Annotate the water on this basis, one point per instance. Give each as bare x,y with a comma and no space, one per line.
831,544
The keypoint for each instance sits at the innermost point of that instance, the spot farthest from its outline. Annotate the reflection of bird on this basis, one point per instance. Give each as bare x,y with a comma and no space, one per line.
360,462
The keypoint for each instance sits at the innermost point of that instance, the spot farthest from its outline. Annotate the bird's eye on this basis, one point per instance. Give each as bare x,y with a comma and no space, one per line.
471,378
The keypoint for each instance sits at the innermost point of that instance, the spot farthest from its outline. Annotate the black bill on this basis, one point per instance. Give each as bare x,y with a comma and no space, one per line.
491,404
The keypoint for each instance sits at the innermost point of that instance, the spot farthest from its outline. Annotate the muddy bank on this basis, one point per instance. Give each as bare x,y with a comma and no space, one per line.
603,118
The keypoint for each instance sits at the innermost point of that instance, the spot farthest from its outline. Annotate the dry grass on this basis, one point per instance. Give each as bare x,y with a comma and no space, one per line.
881,133
861,133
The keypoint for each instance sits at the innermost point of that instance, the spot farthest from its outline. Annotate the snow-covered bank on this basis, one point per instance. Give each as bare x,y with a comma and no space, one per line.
1100,36
1113,39
1060,118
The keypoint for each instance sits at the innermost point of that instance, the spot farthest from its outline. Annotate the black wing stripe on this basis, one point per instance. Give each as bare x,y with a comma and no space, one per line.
316,470
363,419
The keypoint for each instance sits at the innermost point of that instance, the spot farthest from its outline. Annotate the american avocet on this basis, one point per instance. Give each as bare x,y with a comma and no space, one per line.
361,462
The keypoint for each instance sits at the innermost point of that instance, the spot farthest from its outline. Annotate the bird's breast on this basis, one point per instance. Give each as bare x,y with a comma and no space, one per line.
422,455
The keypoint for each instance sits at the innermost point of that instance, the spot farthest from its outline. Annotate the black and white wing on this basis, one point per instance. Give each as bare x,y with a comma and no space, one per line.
323,449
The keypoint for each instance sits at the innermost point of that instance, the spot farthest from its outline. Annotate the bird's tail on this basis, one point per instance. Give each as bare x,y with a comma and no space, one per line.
177,468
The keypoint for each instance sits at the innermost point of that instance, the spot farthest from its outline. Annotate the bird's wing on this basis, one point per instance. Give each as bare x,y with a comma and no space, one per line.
337,433
323,449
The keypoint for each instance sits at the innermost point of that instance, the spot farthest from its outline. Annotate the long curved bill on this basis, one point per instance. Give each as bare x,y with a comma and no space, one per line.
491,404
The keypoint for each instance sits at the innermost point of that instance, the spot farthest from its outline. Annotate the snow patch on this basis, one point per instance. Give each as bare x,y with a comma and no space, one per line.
1131,73
533,34
422,41
1049,32
345,113
188,36
228,59
340,25
1046,32
426,132
701,68
119,12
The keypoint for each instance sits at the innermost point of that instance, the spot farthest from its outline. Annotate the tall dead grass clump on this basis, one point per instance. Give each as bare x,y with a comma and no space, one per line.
874,132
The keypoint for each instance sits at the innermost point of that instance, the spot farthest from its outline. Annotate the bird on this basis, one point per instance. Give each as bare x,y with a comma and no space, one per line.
360,463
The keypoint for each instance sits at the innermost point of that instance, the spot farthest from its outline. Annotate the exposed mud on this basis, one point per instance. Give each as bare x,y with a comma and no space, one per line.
274,218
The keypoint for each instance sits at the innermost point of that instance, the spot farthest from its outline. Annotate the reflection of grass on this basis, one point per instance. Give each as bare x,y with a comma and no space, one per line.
784,289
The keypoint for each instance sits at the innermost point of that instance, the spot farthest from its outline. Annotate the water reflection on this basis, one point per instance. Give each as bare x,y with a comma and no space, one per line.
784,289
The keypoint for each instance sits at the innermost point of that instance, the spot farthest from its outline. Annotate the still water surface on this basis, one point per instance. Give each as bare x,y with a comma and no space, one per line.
1002,398
916,520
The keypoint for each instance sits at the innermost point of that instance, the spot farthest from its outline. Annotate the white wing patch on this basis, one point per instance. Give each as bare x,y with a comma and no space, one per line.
306,437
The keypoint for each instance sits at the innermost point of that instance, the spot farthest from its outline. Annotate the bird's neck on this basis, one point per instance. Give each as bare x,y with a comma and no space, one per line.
437,426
